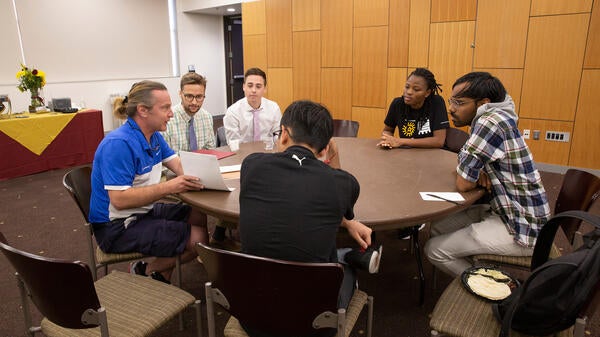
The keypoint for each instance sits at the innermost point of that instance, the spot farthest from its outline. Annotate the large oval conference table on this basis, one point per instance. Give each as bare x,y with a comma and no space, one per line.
390,182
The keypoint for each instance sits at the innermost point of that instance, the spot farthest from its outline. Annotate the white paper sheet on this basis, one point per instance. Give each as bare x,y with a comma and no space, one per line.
206,167
231,168
452,196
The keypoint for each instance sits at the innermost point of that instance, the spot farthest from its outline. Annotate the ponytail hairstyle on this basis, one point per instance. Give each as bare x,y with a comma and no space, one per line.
140,93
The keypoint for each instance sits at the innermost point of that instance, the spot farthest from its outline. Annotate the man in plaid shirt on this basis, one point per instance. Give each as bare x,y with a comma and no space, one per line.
496,158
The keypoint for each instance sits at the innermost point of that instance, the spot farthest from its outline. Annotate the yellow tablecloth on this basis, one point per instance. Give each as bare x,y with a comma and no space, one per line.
35,131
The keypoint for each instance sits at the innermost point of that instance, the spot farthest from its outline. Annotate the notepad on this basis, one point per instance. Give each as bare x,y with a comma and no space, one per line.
217,153
443,196
206,167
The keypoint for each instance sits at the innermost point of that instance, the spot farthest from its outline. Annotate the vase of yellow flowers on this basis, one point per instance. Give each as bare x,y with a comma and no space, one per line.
32,80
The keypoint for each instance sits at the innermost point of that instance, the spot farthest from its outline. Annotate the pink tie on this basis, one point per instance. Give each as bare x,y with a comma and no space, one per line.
256,122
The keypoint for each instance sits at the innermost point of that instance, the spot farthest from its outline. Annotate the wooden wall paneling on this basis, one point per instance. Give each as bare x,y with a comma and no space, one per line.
306,15
585,151
418,38
395,87
553,63
398,33
501,47
544,151
368,13
307,65
370,120
450,54
255,51
336,33
512,80
369,74
453,10
280,87
553,7
396,79
254,18
279,33
336,91
592,51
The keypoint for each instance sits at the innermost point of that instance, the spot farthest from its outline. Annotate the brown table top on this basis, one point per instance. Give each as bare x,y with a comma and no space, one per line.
390,182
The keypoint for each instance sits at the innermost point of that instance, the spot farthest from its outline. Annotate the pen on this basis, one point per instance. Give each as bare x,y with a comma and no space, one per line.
442,198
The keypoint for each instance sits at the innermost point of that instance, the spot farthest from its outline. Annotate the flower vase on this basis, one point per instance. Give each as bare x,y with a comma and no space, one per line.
36,100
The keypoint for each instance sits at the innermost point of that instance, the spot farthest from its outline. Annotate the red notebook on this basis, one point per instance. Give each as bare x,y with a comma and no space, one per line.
217,153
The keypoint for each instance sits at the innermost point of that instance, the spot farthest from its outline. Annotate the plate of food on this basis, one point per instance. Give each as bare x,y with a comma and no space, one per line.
489,283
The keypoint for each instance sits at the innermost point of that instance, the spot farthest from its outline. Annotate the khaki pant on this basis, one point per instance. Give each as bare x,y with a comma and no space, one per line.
470,232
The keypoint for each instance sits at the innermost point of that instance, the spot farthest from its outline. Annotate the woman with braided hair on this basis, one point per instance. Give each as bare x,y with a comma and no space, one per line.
420,114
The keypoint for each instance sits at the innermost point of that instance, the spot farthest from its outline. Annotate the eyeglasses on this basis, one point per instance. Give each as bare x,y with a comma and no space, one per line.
276,135
456,103
190,98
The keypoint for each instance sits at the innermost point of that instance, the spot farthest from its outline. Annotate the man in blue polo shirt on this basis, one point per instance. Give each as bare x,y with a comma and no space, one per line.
126,185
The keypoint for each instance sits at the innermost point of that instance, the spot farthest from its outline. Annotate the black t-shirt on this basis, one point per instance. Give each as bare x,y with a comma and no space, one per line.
291,205
418,123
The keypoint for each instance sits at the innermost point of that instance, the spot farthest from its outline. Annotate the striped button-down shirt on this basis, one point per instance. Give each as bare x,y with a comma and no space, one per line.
177,136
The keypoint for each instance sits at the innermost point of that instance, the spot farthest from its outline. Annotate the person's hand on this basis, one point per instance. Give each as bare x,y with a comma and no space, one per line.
484,181
389,142
359,232
331,157
185,183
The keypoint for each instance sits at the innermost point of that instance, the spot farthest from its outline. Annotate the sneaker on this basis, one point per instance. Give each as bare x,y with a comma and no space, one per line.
366,260
159,277
227,244
138,268
404,233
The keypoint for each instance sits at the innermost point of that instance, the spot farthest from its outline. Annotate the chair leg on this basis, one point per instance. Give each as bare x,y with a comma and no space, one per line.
579,328
417,251
369,316
210,310
178,285
31,330
198,310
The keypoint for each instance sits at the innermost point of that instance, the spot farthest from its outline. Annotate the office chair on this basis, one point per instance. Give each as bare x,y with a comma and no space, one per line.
278,297
79,185
119,304
345,128
220,137
459,313
579,190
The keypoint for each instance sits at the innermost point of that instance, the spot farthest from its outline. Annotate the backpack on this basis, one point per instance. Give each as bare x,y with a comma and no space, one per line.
553,295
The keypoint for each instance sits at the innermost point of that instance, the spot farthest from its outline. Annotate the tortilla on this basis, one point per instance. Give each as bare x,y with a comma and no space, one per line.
488,288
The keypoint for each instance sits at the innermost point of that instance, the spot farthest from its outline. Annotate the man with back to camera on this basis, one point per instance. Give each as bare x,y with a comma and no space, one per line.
292,203
496,158
252,117
126,186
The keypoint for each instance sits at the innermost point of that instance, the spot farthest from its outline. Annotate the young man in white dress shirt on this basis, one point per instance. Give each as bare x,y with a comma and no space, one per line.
252,117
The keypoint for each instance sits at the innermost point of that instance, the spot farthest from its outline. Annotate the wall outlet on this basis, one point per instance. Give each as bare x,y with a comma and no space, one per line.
526,133
557,136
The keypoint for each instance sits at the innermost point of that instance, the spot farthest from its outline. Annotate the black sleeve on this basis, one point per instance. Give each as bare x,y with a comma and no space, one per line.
393,114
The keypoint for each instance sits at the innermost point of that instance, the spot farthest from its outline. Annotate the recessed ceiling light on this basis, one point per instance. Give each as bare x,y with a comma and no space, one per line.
230,9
